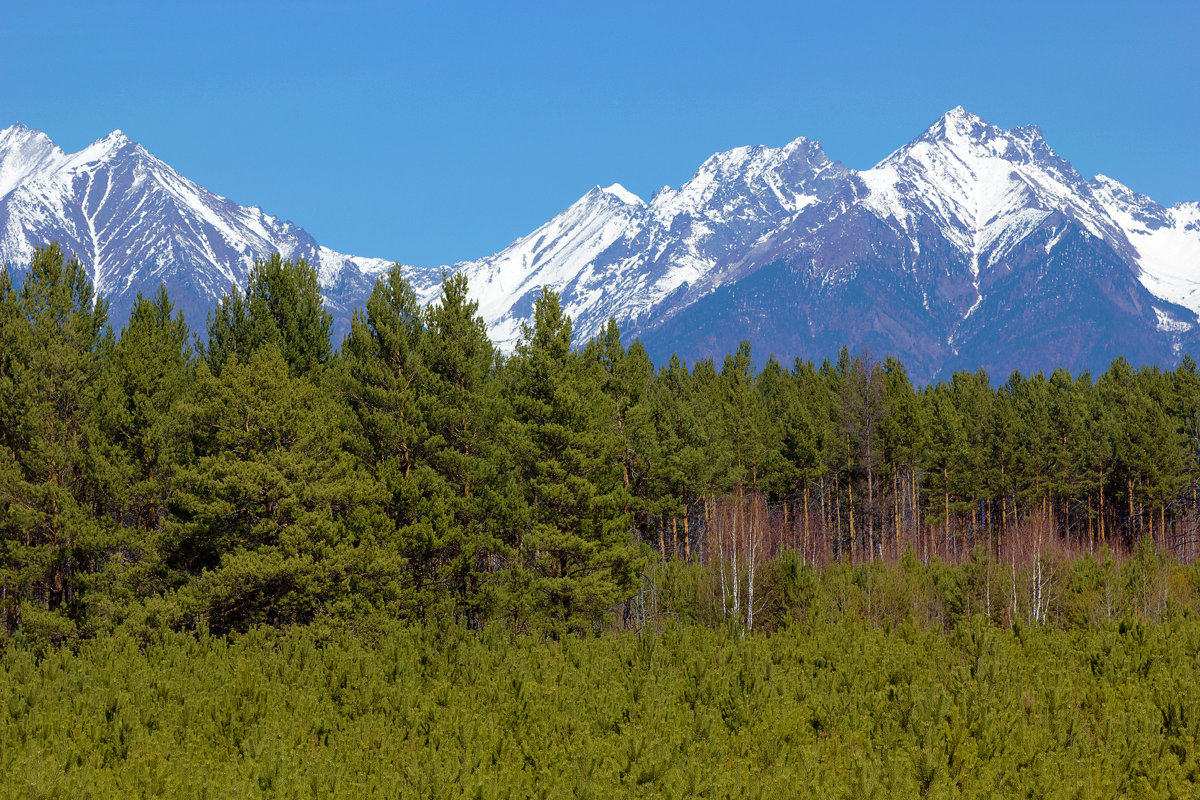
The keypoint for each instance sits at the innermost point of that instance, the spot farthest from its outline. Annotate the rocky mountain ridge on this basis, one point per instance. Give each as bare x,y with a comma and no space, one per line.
969,246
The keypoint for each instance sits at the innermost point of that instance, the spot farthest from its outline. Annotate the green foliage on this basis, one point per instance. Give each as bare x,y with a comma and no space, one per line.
420,474
576,557
837,710
282,305
259,522
55,334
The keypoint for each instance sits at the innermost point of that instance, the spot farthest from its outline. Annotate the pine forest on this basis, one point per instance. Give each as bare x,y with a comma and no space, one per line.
250,561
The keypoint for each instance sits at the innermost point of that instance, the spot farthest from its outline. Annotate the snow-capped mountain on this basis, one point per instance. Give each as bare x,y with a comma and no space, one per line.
612,254
135,223
969,246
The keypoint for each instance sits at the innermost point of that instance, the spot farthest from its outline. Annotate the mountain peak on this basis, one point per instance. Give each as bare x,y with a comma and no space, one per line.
107,148
958,124
25,152
624,195
19,133
117,139
979,183
962,115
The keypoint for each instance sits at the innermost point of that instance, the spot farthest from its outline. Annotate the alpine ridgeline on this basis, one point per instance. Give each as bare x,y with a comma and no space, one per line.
971,246
136,223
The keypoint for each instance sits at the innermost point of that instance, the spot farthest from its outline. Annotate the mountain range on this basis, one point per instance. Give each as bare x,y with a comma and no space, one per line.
971,246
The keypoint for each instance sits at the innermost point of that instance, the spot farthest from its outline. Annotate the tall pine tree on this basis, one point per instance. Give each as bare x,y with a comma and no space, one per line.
576,556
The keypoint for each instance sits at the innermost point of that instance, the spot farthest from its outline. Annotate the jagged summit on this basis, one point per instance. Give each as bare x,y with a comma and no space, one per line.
982,186
971,245
943,252
624,195
25,152
135,222
958,121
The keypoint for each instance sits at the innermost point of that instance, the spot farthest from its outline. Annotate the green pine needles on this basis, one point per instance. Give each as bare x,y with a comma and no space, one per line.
840,711
413,566
150,482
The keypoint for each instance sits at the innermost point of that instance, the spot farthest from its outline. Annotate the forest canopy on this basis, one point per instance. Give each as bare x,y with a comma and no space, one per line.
149,481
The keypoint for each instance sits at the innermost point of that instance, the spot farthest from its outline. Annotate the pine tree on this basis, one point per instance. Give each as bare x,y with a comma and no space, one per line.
628,376
143,440
282,305
146,374
385,378
902,435
263,522
861,411
54,333
576,555
462,409
681,471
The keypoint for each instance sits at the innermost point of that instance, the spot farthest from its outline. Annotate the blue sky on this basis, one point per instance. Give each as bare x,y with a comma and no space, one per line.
435,132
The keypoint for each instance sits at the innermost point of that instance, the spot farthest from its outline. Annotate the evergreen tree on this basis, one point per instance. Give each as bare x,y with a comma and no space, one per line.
462,409
54,333
628,375
282,305
902,438
752,435
576,555
681,470
146,374
861,412
385,378
263,523
144,440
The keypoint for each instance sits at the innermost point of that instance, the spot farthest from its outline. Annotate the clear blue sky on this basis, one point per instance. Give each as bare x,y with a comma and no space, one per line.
440,131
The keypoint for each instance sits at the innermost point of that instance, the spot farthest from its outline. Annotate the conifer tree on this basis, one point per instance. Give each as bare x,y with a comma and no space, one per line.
861,411
681,471
753,434
146,374
462,409
385,378
902,436
576,554
143,440
54,332
628,375
945,458
282,305
1185,408
706,401
263,521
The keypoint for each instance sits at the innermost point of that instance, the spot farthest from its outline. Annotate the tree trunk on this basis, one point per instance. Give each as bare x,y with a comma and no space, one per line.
837,542
805,550
1132,519
1103,539
687,539
946,497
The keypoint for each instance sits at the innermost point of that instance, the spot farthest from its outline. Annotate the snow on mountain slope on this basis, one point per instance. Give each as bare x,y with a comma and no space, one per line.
611,254
967,236
25,152
1167,240
959,201
134,222
985,187
557,254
